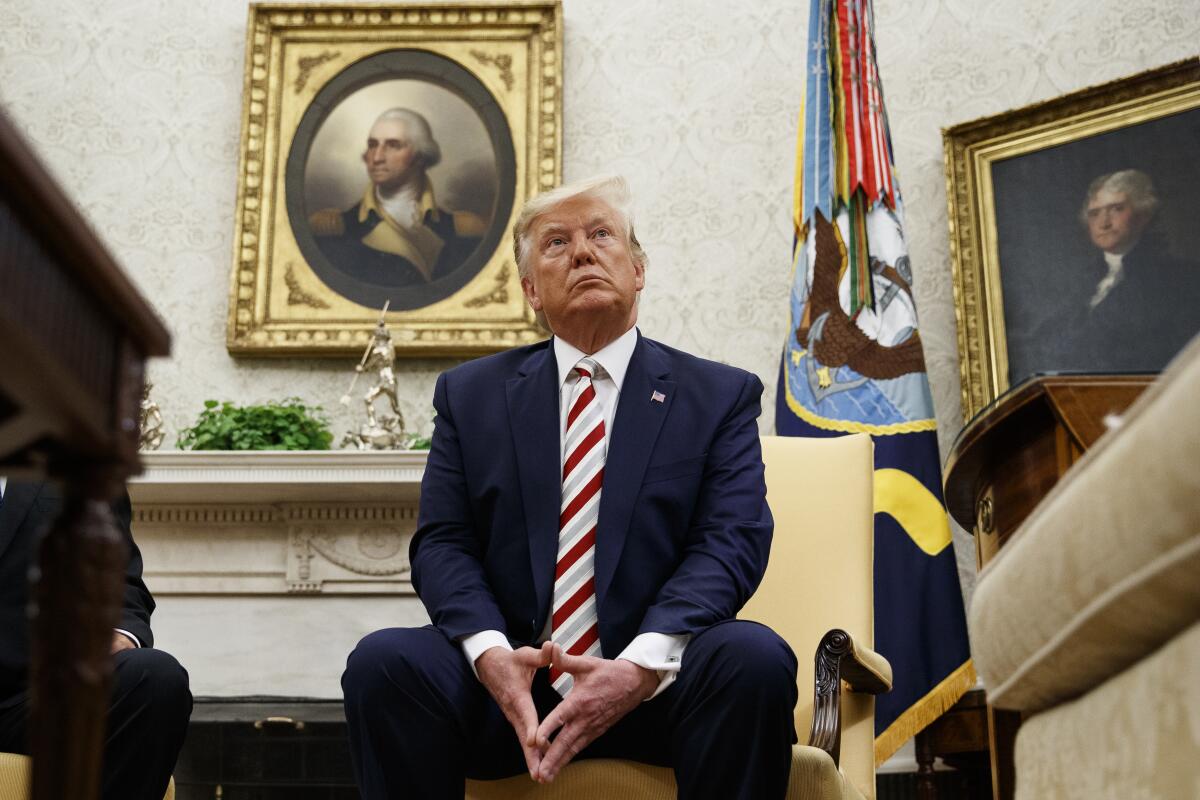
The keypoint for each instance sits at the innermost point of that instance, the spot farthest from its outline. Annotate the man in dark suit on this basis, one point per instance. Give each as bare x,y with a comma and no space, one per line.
592,518
150,702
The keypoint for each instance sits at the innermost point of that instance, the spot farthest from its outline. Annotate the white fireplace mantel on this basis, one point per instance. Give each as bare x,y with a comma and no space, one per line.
224,476
277,522
268,566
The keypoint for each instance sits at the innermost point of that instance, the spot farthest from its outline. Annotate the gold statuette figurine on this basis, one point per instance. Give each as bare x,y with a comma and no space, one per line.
151,422
379,432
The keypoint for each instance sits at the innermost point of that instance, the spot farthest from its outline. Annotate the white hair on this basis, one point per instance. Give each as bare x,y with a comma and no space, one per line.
418,134
610,189
1134,184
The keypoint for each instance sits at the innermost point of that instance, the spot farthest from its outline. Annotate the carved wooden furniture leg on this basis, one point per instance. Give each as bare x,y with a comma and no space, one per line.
76,597
926,787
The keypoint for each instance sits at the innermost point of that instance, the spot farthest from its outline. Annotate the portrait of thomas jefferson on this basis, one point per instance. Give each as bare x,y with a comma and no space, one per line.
397,234
1142,304
1099,253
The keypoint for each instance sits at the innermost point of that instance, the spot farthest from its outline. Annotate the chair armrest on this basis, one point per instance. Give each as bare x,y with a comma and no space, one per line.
866,671
840,659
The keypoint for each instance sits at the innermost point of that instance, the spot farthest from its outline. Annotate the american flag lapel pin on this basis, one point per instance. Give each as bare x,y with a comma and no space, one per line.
657,397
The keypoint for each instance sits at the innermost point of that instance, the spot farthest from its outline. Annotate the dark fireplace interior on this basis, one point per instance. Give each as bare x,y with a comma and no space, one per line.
265,748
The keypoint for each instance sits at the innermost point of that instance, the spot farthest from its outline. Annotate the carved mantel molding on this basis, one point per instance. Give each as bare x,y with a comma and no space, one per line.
277,523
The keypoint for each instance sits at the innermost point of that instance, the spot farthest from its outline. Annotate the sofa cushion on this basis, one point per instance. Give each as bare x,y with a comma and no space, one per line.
1135,736
1104,570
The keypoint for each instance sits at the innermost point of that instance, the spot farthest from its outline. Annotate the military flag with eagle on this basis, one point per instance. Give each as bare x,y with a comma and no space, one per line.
853,362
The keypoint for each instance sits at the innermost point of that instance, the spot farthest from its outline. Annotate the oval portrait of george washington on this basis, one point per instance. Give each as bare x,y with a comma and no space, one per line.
400,180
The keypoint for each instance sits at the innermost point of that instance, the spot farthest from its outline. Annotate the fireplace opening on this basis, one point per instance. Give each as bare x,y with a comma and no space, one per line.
265,748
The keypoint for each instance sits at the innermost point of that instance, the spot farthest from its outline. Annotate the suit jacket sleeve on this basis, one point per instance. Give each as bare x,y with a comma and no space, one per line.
446,554
729,537
138,603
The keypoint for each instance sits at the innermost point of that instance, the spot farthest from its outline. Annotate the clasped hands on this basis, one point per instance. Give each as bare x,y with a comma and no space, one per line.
604,691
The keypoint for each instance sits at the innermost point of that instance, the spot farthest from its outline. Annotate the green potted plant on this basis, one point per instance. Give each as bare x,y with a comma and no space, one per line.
276,425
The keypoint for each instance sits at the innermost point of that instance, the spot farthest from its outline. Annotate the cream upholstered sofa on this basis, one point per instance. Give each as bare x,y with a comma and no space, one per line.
818,595
1088,621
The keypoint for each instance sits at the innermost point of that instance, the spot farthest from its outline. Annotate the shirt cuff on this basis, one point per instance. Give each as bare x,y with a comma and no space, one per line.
477,644
136,641
661,652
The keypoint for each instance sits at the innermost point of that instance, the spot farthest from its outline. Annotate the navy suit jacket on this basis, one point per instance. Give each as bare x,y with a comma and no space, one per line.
684,529
27,508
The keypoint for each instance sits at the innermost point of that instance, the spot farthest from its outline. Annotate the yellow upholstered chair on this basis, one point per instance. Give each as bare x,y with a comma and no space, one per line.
14,778
817,594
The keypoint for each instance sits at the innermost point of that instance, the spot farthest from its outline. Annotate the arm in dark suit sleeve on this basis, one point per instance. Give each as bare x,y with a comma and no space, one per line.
138,603
729,537
446,554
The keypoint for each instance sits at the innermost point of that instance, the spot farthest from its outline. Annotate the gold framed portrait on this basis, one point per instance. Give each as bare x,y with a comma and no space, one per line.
385,152
1073,233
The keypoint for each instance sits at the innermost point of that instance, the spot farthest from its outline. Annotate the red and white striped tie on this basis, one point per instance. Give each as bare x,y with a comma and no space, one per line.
574,623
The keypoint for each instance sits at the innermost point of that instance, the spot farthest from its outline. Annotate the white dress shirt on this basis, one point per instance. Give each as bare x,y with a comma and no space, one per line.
1115,262
660,652
136,641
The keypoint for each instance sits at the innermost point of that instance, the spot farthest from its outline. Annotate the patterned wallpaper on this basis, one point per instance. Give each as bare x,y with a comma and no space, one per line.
136,107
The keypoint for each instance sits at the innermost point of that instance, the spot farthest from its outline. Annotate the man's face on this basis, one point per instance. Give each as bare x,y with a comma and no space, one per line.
390,159
581,265
1113,223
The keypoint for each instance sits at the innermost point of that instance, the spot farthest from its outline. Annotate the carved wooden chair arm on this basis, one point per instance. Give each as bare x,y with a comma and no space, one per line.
840,659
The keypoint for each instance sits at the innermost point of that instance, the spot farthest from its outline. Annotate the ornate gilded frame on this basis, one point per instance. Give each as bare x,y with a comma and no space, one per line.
507,53
973,148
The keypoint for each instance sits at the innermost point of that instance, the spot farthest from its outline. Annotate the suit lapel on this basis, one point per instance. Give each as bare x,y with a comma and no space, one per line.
534,420
635,431
18,499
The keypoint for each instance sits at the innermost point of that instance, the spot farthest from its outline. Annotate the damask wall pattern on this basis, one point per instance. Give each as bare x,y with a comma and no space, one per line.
136,107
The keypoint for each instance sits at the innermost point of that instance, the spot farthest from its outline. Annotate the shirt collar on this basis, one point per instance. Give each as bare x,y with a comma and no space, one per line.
613,357
1114,261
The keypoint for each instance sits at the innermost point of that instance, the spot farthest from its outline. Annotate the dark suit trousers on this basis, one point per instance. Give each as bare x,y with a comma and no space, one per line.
420,721
147,722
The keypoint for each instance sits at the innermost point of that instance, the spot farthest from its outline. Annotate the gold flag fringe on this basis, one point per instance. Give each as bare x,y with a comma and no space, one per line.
924,711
